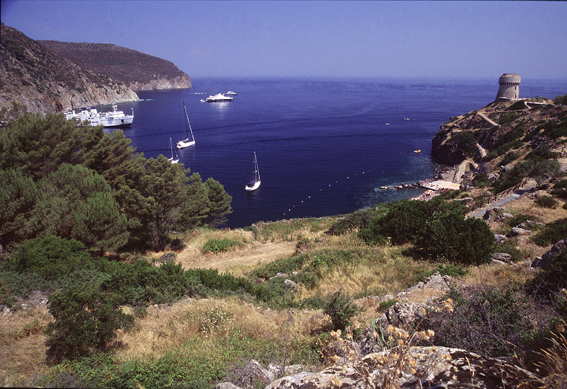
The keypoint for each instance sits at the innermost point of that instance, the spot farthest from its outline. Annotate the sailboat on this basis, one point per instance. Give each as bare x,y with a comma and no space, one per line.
186,143
176,159
255,183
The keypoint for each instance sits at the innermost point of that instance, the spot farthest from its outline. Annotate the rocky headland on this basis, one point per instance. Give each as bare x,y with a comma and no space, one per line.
137,70
50,76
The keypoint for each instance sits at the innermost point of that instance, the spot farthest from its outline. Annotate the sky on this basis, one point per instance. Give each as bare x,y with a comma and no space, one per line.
405,39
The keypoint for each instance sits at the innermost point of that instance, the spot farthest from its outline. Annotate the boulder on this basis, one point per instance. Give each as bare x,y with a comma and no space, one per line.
499,238
517,231
503,216
438,367
557,248
504,257
227,385
434,281
291,283
167,257
403,314
252,373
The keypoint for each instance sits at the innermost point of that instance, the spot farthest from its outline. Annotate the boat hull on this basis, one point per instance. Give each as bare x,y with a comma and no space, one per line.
185,143
253,187
114,118
218,98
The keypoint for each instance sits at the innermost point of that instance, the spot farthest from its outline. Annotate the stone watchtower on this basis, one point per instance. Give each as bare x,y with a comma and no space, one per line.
509,87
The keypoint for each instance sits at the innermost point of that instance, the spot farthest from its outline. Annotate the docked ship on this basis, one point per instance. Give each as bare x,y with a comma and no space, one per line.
218,97
113,118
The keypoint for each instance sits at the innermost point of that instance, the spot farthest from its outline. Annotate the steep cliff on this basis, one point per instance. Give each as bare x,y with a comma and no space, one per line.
137,70
43,81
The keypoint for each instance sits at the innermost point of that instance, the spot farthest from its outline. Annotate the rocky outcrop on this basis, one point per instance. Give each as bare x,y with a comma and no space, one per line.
557,249
427,367
137,70
42,81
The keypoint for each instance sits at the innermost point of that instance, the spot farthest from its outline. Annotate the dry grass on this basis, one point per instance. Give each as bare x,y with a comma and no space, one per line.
22,345
388,274
495,274
526,206
209,319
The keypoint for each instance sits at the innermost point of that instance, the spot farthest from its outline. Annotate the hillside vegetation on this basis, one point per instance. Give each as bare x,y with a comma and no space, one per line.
114,272
137,70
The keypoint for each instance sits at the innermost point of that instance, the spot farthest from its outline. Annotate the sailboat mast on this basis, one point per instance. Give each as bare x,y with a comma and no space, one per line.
188,123
257,171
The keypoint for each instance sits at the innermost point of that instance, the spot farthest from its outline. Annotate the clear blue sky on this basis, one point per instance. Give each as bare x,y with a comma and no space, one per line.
316,38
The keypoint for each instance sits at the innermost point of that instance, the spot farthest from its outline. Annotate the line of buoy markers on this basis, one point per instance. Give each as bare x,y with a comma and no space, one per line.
320,190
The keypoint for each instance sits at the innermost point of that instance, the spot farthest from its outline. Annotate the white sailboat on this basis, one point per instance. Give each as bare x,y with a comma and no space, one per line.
172,159
255,183
187,142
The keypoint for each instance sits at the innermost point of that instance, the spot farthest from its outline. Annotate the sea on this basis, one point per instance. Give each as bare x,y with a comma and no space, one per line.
324,146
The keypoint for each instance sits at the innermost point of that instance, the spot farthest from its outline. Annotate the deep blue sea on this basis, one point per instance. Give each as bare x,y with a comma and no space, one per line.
324,147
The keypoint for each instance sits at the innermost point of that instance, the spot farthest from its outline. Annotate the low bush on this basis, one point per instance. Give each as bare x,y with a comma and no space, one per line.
385,305
521,218
546,202
341,309
489,321
509,247
507,118
219,245
538,169
552,233
481,180
141,283
355,221
467,142
85,321
553,278
560,189
52,257
511,156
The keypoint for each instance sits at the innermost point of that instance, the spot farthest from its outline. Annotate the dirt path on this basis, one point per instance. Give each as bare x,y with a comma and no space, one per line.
236,261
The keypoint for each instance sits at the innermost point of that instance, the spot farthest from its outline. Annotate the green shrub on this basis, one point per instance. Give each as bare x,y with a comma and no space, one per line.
552,233
507,118
52,257
554,276
341,309
481,180
511,156
219,245
554,130
459,240
141,283
521,218
509,247
405,219
560,189
385,305
538,169
354,221
85,321
466,142
546,202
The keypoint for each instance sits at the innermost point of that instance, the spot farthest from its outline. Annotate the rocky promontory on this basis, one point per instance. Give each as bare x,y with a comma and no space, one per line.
43,81
51,76
137,70
496,129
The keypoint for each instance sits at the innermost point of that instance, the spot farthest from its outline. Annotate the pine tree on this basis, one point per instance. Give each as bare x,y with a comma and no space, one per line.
219,202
